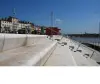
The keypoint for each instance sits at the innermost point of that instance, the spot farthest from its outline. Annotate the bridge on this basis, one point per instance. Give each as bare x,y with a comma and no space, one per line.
40,50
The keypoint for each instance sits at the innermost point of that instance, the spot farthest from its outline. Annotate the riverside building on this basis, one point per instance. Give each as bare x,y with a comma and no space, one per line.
13,24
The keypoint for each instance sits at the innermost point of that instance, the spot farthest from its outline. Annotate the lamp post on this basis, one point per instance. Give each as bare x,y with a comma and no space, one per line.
51,23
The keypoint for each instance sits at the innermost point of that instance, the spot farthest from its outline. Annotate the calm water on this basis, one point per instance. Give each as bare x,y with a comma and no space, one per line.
92,40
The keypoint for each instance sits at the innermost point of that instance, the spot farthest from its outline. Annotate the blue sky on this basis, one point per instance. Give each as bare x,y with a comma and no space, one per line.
72,16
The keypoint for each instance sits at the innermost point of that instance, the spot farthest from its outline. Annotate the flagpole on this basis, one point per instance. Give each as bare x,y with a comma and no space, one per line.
14,13
51,22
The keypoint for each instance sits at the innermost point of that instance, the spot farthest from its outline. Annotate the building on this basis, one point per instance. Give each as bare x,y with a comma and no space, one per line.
43,30
52,31
38,29
12,24
5,25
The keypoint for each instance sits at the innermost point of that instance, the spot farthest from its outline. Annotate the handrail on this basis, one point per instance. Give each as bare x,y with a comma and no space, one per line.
94,51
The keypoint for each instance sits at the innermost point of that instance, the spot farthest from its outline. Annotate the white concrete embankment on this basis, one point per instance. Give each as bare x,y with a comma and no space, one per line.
11,41
93,54
63,56
36,50
1,42
41,57
17,49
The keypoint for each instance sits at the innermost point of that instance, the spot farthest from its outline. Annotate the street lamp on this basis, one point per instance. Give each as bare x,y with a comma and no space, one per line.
51,22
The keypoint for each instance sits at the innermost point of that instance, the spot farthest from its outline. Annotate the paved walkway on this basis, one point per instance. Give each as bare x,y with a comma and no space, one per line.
63,56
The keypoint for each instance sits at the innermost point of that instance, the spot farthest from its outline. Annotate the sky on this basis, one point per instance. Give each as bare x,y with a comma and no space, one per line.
72,16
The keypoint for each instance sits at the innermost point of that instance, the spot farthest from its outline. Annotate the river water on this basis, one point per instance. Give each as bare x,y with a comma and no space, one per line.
87,39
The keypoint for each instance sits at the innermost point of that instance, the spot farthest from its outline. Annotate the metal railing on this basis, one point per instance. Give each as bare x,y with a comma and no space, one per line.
93,53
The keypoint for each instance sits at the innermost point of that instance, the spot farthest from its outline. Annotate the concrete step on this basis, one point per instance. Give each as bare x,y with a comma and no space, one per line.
28,55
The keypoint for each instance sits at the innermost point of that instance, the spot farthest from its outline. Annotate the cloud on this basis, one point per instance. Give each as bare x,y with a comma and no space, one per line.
58,21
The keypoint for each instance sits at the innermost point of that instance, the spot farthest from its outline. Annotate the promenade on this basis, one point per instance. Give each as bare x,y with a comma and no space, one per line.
42,51
63,56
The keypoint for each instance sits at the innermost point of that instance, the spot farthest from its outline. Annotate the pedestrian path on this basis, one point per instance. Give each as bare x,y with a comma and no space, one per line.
63,56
